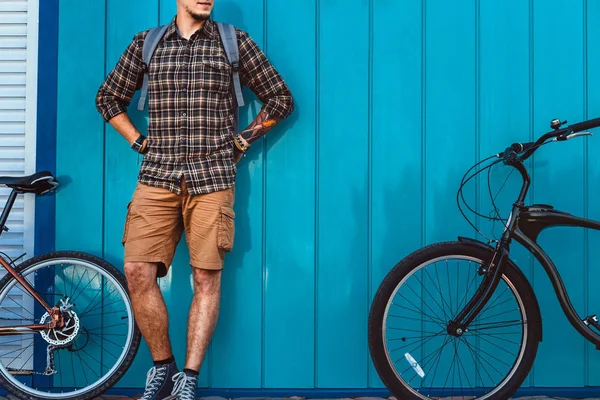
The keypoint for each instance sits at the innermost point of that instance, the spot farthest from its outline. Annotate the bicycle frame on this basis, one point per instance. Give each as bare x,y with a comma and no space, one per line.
524,225
56,319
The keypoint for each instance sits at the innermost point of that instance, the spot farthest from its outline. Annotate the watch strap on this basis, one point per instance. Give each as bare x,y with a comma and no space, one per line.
138,143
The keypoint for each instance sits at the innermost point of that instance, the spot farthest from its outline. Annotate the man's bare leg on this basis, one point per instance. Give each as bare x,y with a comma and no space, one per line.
203,316
149,308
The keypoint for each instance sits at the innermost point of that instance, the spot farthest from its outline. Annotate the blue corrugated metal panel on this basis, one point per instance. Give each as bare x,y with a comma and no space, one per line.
395,100
592,99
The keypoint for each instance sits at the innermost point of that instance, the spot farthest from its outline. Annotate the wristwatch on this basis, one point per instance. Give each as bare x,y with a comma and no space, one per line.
138,143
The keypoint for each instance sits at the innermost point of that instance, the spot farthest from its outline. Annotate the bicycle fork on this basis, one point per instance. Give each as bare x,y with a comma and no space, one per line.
492,271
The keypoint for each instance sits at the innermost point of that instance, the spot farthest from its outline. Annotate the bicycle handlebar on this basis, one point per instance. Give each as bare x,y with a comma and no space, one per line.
582,126
527,149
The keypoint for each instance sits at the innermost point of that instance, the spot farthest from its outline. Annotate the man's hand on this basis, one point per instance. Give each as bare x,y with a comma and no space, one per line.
237,154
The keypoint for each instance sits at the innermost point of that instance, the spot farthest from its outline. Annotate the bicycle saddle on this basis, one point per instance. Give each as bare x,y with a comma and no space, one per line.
38,183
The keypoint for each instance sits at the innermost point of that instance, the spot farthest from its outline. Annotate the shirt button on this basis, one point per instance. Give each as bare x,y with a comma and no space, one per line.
184,90
184,114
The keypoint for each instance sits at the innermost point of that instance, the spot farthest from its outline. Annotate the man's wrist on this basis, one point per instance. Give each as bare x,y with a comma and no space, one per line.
139,145
240,143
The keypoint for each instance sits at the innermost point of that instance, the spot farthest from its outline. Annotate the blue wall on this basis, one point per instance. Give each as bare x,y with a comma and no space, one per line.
395,101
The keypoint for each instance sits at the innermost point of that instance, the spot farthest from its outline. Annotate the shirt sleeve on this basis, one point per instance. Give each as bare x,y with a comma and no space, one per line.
259,75
115,93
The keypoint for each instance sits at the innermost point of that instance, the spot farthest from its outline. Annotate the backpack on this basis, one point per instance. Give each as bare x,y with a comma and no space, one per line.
230,44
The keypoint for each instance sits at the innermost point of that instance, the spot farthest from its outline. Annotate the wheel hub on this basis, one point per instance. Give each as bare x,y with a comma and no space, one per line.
455,329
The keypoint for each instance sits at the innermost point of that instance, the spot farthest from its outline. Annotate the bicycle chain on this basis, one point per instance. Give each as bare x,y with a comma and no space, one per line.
50,370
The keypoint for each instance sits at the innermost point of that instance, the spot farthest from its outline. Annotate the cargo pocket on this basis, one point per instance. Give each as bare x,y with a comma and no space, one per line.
126,229
226,229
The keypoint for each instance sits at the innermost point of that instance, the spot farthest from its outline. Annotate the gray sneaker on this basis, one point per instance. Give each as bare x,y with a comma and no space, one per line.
185,386
159,382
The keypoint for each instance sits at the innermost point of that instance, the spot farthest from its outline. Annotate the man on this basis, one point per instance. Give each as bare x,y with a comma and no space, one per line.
186,180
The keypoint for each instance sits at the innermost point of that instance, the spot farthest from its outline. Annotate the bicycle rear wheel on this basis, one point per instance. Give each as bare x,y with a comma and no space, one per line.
91,352
411,346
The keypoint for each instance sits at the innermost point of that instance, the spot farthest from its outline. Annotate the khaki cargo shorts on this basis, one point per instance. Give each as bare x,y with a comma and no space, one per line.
156,219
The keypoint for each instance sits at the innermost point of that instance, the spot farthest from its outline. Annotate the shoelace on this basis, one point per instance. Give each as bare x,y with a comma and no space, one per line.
154,379
184,387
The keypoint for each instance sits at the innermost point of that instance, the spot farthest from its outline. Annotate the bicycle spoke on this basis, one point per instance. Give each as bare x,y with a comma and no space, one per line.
490,304
440,285
74,297
439,355
99,305
427,305
444,303
424,340
464,300
439,323
425,359
474,351
496,325
477,334
449,286
104,350
448,376
473,356
420,313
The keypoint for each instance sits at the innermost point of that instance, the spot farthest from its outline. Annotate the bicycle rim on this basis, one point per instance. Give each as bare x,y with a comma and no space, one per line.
73,280
476,349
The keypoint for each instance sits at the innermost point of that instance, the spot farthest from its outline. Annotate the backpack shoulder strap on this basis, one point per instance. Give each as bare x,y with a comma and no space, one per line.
150,42
229,39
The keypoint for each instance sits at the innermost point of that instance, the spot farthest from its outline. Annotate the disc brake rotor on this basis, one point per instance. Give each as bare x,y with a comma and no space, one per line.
66,334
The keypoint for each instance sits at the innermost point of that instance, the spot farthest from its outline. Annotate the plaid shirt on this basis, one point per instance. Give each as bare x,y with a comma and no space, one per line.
190,104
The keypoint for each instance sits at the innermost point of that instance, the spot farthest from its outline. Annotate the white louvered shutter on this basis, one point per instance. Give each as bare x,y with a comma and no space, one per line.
18,96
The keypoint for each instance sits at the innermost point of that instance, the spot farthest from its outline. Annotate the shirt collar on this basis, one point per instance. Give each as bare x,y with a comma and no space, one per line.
209,29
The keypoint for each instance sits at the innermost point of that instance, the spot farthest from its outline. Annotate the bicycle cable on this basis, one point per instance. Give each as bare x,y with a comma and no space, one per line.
493,215
493,200
460,194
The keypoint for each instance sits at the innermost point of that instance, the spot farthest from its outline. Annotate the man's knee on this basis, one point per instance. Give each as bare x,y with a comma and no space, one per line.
140,275
206,280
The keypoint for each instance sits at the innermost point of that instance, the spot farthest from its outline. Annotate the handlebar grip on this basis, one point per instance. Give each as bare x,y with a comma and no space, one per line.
582,126
527,146
516,148
521,147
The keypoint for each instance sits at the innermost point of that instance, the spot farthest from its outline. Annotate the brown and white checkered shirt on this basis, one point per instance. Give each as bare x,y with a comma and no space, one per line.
190,104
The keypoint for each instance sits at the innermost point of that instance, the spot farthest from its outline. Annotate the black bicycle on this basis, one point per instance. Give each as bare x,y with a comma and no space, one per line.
460,318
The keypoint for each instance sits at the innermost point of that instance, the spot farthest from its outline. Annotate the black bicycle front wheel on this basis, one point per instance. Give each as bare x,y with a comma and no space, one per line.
412,350
94,348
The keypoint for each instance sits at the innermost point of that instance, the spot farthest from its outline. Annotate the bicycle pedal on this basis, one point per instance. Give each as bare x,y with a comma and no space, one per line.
592,320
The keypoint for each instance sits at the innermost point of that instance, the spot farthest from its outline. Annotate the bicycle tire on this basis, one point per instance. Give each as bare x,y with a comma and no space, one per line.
136,335
414,261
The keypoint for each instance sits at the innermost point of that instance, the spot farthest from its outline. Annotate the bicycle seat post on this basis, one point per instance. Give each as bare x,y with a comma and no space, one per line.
6,211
